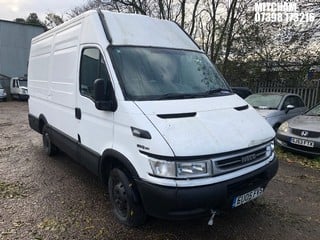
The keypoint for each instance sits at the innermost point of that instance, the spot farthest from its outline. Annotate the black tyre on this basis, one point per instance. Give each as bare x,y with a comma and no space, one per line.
48,146
126,206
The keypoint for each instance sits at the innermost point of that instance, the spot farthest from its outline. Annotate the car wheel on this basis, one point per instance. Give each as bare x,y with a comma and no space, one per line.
126,206
49,148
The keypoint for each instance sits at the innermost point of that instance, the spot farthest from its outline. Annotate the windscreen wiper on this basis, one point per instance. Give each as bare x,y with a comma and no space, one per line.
217,90
170,96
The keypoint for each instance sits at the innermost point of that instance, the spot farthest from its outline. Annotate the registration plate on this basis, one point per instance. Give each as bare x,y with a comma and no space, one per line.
247,197
302,142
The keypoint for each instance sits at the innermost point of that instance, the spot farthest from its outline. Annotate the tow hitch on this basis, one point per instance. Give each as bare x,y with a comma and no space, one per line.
213,214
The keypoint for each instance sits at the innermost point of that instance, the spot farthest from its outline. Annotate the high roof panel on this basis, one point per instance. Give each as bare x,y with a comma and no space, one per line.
140,30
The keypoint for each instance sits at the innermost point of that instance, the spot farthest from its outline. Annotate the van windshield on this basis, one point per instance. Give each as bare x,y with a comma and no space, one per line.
23,83
160,74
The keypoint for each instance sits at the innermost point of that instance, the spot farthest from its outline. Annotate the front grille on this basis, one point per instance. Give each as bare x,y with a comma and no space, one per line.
248,184
241,159
300,133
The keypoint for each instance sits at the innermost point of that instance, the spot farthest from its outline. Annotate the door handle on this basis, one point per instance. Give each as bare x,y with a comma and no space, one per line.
77,113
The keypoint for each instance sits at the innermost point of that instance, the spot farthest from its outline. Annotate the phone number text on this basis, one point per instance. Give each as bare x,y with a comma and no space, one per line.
284,17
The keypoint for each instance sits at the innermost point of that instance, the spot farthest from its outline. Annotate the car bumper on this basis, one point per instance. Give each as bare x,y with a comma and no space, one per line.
284,141
189,202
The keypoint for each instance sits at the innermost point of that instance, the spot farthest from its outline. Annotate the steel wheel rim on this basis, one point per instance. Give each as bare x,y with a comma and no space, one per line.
120,198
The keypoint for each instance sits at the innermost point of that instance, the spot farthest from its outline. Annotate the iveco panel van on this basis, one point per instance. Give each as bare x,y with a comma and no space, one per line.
134,99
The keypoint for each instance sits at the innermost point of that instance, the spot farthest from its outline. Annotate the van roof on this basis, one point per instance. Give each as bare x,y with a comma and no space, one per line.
135,30
141,30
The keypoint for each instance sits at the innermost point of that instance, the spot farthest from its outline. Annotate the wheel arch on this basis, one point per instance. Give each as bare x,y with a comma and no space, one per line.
112,158
42,121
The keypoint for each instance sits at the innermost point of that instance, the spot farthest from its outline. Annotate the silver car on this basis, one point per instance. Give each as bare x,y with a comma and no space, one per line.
302,133
277,107
3,94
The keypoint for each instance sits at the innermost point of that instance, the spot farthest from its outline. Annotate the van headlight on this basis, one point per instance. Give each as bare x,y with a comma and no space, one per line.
284,127
270,149
181,170
163,168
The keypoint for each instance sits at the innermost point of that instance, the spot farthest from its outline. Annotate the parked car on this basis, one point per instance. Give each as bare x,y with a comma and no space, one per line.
302,133
242,91
3,94
277,107
19,88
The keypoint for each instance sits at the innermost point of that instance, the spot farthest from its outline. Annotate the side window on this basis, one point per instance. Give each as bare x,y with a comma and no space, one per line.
298,102
92,67
287,101
293,100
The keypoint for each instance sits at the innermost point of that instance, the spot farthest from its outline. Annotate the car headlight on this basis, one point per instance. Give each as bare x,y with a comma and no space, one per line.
284,127
181,170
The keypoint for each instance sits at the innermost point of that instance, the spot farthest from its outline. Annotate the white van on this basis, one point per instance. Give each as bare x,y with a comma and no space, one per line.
133,99
19,88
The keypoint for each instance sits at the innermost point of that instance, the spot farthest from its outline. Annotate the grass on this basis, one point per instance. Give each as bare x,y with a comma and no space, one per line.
11,190
312,162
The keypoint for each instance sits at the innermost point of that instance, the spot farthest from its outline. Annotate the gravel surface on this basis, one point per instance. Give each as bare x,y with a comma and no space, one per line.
55,198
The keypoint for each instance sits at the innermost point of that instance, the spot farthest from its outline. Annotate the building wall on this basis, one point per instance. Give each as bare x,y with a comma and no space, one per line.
15,41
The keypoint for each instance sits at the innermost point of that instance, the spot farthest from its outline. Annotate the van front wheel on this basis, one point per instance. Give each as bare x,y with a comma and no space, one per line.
124,200
49,148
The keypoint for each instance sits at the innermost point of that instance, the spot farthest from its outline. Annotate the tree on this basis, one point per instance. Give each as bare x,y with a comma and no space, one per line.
228,33
33,19
20,20
52,20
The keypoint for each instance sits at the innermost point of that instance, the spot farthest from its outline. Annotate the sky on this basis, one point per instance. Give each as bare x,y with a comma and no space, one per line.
12,9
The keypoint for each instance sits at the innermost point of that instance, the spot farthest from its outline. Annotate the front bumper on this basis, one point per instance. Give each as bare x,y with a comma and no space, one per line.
284,141
189,202
23,96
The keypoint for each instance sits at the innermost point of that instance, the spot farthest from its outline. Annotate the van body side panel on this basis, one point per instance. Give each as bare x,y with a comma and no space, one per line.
77,151
63,79
38,71
52,78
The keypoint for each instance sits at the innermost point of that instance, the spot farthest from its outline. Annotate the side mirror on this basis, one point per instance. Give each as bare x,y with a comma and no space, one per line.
288,108
104,100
